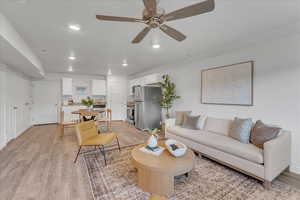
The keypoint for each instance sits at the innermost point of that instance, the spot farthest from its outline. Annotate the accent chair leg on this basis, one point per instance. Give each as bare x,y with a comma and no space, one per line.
77,154
267,185
118,144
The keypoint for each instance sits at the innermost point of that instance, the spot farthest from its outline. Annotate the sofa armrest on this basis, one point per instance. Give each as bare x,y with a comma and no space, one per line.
170,122
277,155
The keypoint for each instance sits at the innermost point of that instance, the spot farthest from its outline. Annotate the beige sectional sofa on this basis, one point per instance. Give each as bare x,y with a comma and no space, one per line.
213,141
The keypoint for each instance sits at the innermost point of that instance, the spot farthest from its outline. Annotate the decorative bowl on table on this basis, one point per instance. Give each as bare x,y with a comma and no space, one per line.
176,148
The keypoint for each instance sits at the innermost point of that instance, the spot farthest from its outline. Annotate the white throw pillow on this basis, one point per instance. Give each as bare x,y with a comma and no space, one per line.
201,122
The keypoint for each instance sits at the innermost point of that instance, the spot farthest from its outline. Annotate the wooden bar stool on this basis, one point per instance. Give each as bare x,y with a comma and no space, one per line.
66,124
107,118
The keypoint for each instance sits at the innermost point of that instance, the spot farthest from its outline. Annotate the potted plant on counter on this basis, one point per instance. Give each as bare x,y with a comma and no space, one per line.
88,102
168,94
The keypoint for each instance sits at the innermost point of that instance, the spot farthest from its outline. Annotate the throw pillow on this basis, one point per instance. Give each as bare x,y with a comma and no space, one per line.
241,129
190,122
262,133
180,117
201,122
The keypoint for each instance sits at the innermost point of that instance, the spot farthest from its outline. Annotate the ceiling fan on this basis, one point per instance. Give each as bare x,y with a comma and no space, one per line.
154,17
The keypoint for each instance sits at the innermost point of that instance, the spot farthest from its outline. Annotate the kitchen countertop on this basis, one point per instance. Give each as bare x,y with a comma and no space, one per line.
79,104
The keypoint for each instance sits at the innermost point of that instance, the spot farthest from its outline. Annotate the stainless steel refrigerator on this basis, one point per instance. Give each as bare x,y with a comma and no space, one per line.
147,107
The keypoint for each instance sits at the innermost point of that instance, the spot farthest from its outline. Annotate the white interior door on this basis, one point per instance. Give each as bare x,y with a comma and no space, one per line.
46,96
117,96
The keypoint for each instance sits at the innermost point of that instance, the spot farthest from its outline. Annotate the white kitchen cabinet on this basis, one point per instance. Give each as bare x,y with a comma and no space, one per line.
132,83
98,87
145,80
67,86
151,79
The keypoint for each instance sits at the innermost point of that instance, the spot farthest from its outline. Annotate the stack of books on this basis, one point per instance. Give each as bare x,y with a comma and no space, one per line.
153,151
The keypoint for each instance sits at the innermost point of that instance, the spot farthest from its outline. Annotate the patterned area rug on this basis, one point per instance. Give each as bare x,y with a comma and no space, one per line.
208,181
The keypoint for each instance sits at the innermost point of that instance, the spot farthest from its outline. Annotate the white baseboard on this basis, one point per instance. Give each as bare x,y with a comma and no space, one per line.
295,169
24,130
2,145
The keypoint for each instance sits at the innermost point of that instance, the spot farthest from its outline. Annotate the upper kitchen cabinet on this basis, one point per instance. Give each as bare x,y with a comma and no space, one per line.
151,79
98,87
145,80
67,86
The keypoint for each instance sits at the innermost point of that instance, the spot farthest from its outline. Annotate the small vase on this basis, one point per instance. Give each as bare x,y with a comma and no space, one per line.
152,141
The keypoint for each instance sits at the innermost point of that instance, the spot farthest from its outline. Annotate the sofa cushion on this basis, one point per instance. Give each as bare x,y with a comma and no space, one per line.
220,126
180,117
240,130
180,131
221,142
190,122
262,133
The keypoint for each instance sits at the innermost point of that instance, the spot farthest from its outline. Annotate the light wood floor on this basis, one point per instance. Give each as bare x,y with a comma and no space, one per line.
39,164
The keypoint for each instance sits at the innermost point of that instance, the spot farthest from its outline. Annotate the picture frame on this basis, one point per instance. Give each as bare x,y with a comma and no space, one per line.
228,85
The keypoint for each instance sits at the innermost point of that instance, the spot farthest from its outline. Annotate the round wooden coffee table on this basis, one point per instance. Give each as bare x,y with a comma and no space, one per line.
156,173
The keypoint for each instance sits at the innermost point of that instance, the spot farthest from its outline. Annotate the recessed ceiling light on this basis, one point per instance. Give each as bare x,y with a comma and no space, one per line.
70,69
155,46
74,27
72,57
109,72
125,64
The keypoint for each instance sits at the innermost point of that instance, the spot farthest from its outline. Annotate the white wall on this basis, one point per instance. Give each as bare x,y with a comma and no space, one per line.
276,86
2,110
15,104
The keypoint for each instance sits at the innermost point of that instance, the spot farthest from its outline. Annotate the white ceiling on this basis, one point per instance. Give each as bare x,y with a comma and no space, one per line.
102,45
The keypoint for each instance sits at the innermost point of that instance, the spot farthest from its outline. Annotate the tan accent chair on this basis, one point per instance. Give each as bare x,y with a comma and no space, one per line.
156,197
66,124
107,118
87,135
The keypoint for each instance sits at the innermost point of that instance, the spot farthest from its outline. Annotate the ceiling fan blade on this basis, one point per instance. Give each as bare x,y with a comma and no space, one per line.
151,6
118,19
141,35
172,32
196,9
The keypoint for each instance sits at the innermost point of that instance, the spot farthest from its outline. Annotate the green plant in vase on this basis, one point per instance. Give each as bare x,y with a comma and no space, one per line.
88,102
168,94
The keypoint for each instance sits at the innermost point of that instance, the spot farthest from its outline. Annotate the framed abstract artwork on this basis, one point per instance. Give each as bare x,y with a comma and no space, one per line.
228,85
